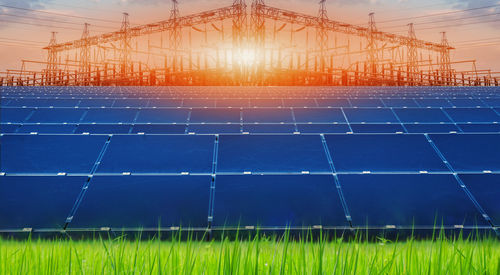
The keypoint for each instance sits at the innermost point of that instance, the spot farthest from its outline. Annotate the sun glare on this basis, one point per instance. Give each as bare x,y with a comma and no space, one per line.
247,57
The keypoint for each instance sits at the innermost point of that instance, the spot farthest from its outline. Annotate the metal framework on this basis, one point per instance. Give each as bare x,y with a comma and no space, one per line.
271,46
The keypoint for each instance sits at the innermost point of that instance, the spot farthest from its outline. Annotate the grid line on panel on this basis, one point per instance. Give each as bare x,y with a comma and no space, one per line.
399,120
241,120
83,115
347,120
29,115
211,203
294,120
416,103
337,181
494,110
350,103
451,119
134,121
316,102
462,184
187,121
85,187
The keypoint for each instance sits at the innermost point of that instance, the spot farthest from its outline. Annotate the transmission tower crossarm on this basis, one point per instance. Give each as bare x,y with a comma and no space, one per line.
183,21
336,26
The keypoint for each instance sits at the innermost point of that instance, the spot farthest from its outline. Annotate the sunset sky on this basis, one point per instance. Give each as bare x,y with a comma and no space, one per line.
472,25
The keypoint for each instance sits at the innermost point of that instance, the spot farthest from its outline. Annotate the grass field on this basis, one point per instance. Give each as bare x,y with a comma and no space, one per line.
258,255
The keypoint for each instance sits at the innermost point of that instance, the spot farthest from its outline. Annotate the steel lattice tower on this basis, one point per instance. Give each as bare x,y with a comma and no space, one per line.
239,33
125,57
372,45
322,34
175,32
412,61
85,53
444,59
52,60
259,32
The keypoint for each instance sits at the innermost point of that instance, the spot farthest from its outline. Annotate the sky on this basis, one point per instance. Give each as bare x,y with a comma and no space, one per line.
472,26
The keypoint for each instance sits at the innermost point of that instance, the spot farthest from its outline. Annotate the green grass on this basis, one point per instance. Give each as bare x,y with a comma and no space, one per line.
258,255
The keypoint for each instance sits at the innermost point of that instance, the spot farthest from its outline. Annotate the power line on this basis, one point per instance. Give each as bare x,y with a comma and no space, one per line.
52,20
40,25
456,25
21,40
437,14
60,14
446,20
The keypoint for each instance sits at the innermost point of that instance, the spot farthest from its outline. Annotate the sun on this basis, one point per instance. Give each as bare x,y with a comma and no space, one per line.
247,57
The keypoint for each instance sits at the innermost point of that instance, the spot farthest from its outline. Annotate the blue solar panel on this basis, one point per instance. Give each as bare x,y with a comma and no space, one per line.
486,190
269,128
366,102
277,201
156,102
153,156
377,128
383,153
15,114
408,200
37,202
266,103
163,116
466,102
131,102
49,153
472,115
492,102
8,128
433,102
110,116
323,128
431,128
480,128
399,102
267,115
319,115
219,115
374,115
420,115
47,128
301,102
61,115
198,102
159,128
333,102
264,153
470,152
158,154
236,102
144,202
103,128
96,102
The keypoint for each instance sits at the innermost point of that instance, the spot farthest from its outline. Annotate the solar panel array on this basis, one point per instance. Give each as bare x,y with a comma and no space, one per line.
224,157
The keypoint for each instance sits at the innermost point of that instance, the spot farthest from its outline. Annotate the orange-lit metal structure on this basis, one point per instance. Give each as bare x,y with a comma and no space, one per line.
248,45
